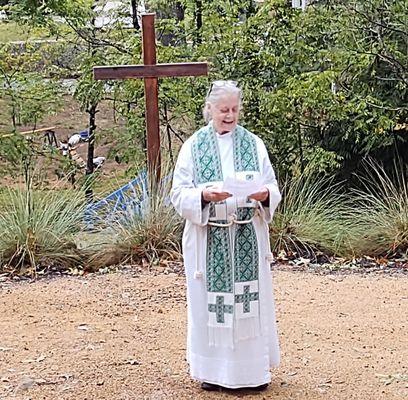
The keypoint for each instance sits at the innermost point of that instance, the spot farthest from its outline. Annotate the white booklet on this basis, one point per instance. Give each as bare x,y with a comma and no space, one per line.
241,188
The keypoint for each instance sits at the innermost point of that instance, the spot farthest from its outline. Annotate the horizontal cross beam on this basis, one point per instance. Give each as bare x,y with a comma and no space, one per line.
150,71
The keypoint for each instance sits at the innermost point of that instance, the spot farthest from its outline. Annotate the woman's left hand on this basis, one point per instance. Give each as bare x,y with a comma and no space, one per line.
262,195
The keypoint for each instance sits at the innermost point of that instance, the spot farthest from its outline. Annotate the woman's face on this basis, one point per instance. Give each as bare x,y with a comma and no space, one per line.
225,113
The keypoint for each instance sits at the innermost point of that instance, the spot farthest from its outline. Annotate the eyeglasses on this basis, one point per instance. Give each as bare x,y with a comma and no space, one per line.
220,84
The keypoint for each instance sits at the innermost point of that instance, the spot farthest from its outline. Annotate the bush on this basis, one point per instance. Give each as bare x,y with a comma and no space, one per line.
380,214
151,234
37,230
311,218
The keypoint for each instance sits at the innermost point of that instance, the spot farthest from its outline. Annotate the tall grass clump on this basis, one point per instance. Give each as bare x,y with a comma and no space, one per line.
37,229
311,218
151,233
380,211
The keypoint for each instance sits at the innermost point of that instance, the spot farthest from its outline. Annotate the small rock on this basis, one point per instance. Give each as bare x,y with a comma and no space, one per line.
25,383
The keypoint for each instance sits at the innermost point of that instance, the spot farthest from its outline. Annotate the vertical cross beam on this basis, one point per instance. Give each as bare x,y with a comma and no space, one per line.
152,99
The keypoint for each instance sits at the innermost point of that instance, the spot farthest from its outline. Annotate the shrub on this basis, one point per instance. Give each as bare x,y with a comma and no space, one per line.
152,233
311,217
37,229
380,214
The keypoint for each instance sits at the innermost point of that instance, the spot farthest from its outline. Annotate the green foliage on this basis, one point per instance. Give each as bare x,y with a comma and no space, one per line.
38,229
88,91
29,97
11,31
324,88
316,217
41,13
14,148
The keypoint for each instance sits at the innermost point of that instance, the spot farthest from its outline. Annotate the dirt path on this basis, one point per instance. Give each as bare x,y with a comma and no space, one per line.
122,336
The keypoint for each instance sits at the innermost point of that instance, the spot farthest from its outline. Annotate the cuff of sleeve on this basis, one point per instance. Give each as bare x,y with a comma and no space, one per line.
265,203
204,210
268,206
203,202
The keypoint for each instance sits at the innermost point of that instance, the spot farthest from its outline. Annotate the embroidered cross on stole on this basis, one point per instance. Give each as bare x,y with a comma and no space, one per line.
232,259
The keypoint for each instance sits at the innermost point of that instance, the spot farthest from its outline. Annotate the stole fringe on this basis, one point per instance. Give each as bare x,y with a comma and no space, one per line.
221,337
247,328
244,329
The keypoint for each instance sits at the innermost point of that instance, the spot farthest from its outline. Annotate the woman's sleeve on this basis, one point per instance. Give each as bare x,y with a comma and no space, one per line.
270,183
185,197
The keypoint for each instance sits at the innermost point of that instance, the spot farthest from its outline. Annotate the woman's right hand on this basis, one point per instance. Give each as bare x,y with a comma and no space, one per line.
214,194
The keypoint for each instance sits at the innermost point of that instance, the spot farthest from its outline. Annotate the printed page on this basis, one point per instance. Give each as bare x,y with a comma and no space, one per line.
241,188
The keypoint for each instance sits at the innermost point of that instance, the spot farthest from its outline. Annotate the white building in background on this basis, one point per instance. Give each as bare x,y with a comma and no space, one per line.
295,3
299,4
107,12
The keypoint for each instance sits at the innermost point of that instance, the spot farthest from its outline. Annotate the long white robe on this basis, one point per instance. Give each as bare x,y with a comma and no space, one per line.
248,362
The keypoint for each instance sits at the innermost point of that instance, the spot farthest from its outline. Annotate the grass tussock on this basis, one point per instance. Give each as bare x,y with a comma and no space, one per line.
37,229
311,218
380,212
151,234
40,228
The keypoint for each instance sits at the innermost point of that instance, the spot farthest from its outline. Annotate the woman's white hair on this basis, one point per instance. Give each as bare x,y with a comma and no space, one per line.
217,90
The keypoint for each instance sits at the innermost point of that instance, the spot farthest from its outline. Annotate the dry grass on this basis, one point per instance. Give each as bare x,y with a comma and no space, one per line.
150,234
310,218
38,229
380,212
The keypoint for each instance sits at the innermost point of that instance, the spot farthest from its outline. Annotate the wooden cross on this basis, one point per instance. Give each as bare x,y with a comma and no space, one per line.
150,72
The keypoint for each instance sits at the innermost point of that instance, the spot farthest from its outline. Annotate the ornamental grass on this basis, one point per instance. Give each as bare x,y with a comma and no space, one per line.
311,218
152,233
38,228
380,212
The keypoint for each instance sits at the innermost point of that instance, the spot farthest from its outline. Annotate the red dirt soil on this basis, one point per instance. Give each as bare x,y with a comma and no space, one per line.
122,336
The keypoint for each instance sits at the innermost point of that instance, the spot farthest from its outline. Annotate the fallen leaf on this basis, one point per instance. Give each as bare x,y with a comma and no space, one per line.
83,327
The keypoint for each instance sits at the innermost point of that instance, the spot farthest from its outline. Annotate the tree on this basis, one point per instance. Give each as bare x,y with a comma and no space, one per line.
324,88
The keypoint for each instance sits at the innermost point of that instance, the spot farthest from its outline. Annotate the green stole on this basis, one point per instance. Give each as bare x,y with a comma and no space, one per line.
232,259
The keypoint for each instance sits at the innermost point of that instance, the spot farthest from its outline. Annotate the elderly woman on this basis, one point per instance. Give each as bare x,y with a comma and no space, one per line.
232,336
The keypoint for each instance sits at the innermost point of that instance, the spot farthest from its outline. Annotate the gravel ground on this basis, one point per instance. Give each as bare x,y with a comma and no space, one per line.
122,336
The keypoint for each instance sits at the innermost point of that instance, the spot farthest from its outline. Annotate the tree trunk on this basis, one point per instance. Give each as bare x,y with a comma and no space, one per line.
92,127
198,14
251,10
135,21
179,10
91,149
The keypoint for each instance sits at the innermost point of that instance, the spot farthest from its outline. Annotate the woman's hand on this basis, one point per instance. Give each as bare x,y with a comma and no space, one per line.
214,194
262,195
